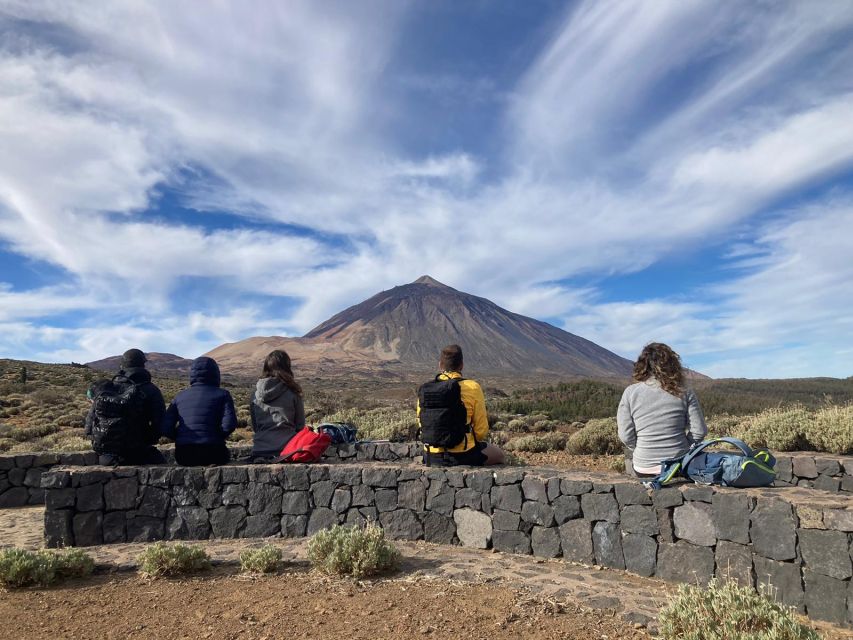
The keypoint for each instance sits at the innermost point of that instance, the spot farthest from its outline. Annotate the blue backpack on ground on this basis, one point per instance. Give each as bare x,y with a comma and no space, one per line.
339,432
750,468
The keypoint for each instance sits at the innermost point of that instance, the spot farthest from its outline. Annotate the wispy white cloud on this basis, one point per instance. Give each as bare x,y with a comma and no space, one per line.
639,131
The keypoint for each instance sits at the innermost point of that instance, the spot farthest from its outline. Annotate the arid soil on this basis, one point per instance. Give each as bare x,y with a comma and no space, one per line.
296,605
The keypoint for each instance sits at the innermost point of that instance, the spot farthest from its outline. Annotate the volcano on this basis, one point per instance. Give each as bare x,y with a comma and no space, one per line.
405,328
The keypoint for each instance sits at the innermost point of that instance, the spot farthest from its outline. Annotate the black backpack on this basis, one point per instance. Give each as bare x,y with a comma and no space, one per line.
121,418
443,416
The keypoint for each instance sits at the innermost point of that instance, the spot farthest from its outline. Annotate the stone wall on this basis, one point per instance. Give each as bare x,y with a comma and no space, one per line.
798,540
20,474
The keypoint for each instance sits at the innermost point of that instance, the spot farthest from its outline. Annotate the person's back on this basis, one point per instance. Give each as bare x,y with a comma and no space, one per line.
201,417
134,436
277,408
472,449
657,417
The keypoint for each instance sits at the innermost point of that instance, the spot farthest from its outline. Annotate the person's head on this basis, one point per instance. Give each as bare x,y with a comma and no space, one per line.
133,358
659,361
451,358
277,365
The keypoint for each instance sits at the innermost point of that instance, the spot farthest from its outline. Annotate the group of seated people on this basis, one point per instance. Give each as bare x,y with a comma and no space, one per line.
199,419
658,416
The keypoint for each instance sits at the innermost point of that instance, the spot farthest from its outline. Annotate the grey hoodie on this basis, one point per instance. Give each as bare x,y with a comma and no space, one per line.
277,414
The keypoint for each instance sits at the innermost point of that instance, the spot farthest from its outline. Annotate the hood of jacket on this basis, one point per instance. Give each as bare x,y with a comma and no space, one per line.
137,375
268,389
204,370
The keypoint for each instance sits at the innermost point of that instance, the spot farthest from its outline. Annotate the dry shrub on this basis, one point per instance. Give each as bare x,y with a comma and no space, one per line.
49,397
832,430
263,560
728,612
516,424
352,551
21,568
161,559
724,425
538,443
596,437
779,429
382,423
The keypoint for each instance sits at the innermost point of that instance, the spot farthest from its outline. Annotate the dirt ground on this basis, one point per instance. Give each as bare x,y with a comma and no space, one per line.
296,604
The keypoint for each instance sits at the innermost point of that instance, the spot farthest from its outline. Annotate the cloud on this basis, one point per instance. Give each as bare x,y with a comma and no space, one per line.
283,129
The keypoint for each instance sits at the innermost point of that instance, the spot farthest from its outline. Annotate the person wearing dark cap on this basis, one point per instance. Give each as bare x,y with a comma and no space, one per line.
201,417
126,414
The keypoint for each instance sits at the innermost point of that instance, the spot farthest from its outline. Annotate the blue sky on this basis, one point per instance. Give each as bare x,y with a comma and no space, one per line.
178,175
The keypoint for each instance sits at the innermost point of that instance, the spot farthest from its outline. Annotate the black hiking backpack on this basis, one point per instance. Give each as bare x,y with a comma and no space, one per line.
120,418
443,417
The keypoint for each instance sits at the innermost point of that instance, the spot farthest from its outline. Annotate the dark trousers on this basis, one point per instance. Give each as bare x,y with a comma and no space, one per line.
200,455
145,455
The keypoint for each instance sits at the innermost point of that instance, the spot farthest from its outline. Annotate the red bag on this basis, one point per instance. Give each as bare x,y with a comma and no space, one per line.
305,446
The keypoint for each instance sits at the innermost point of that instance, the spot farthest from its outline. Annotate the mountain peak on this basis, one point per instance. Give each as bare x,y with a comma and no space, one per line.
429,280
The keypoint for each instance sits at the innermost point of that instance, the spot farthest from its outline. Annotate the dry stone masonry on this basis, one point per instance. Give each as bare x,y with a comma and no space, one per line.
798,540
20,474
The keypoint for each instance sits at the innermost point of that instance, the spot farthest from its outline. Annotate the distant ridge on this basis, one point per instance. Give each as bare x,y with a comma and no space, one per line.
163,363
404,328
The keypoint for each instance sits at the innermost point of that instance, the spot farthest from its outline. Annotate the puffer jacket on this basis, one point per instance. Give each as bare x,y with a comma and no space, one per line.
277,414
155,406
203,413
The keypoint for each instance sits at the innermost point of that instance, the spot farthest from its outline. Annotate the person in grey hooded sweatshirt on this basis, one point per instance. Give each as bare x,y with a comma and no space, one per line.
277,410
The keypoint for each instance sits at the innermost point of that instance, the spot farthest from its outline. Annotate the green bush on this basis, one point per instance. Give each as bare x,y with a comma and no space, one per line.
516,425
22,568
263,560
538,443
354,551
161,559
728,612
596,437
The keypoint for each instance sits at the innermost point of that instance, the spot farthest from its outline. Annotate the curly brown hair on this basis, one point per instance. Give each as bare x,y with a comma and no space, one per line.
659,361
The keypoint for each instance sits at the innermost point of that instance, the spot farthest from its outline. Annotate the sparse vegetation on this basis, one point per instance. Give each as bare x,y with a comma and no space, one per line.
352,551
597,437
47,413
22,568
538,443
263,560
393,423
161,559
726,611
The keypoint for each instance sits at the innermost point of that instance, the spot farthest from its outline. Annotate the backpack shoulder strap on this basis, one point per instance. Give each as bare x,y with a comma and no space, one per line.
695,451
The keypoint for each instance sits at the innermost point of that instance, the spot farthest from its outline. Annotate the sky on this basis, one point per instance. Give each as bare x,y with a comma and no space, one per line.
176,175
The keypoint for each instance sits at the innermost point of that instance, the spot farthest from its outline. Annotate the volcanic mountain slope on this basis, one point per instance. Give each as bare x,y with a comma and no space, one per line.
405,328
163,363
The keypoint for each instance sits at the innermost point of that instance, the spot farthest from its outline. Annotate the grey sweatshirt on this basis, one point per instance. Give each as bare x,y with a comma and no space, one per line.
658,425
277,414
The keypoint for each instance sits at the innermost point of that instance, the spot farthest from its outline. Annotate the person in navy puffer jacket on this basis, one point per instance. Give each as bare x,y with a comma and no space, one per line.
201,418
